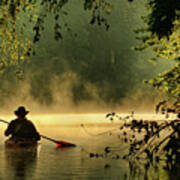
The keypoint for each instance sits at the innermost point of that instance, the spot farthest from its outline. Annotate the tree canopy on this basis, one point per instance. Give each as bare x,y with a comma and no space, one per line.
19,16
161,33
22,23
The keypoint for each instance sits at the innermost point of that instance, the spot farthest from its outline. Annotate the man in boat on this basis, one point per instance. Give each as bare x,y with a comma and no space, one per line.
21,129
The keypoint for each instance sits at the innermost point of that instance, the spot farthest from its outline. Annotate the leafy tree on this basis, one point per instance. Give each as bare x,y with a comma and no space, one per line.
154,140
162,34
17,16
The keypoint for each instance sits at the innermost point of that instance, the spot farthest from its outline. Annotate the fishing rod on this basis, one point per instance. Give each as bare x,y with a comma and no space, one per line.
59,143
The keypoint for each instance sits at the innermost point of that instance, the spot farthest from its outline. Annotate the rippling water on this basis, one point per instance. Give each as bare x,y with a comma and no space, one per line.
49,163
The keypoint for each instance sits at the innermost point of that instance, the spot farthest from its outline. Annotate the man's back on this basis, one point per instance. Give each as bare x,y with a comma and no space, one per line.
22,130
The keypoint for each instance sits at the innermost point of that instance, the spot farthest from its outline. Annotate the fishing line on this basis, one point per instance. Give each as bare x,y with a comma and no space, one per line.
111,116
99,134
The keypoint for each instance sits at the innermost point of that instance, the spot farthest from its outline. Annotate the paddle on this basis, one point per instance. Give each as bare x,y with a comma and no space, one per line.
59,143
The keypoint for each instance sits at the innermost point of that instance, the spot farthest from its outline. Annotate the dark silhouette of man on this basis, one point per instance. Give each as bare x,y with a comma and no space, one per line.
22,129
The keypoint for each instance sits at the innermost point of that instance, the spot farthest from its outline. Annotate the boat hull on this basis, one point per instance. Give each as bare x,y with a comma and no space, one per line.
20,144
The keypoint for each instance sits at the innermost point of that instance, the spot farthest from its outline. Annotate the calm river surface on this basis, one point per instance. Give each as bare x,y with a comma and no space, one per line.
49,163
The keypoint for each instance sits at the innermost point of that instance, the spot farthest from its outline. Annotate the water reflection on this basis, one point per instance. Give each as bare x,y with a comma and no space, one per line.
21,161
147,170
75,163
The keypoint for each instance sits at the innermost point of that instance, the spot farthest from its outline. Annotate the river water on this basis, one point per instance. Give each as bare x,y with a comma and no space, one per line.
49,163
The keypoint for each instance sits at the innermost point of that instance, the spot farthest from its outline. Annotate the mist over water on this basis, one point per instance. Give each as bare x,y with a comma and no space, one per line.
95,71
48,162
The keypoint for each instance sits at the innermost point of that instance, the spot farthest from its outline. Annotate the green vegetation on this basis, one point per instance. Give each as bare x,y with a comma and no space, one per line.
16,16
90,64
24,22
154,141
161,33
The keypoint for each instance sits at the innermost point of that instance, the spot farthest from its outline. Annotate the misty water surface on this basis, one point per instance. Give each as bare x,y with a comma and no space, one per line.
74,163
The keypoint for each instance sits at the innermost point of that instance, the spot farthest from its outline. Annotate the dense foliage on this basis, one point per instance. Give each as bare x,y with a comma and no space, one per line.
161,33
154,141
22,22
145,144
146,139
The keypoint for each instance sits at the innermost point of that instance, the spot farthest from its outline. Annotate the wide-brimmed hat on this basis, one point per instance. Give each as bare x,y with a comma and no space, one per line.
21,111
